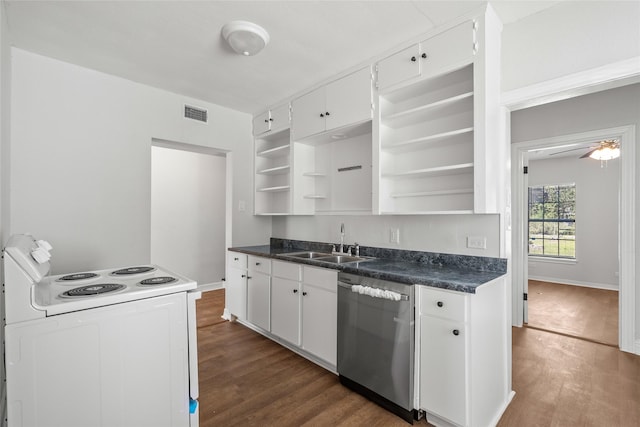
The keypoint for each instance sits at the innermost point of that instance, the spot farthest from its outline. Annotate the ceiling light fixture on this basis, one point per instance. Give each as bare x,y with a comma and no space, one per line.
246,38
609,149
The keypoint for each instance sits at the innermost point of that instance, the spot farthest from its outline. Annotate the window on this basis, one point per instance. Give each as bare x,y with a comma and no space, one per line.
552,221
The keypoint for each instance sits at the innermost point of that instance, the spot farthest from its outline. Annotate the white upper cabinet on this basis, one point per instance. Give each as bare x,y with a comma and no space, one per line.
273,120
341,103
399,67
438,128
444,51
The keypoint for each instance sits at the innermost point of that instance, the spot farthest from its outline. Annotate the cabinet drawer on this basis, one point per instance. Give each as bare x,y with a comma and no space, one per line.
236,260
256,263
321,277
444,304
286,270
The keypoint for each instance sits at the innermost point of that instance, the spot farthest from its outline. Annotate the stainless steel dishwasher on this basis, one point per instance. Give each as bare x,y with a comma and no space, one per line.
376,341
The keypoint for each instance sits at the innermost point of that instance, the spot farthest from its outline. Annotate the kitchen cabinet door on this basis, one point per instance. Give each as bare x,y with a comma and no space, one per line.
443,372
448,50
399,67
258,299
308,114
285,309
236,292
349,100
279,118
319,322
261,123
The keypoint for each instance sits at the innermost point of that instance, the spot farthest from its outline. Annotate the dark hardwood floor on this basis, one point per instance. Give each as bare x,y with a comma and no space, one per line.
248,380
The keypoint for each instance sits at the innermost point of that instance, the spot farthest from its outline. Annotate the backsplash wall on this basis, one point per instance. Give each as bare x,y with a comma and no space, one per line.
429,233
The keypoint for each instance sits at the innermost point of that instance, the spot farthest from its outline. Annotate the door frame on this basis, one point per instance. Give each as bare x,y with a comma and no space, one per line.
626,223
609,76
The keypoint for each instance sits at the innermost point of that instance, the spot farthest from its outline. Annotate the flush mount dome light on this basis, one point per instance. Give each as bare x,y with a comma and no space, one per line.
245,37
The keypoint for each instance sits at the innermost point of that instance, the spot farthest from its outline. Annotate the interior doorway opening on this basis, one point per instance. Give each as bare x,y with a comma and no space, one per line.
626,230
189,191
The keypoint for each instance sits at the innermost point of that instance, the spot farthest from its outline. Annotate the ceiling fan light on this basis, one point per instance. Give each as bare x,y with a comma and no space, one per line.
245,38
606,153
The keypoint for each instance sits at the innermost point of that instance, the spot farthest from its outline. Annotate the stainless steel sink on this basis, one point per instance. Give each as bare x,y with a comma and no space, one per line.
325,257
340,259
307,254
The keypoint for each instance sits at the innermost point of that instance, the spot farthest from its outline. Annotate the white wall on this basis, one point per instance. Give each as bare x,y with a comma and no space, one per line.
596,220
569,37
601,110
431,233
81,161
188,213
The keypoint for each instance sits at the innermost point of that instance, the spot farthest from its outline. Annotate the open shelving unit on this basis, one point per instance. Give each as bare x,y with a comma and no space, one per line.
427,146
273,174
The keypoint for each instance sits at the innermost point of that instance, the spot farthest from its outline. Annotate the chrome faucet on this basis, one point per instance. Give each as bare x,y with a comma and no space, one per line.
342,238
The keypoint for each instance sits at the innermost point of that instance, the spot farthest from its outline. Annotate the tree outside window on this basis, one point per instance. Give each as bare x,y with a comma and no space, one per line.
552,221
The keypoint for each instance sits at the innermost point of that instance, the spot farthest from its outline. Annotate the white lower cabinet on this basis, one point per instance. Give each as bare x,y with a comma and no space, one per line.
236,285
285,309
319,312
295,303
463,355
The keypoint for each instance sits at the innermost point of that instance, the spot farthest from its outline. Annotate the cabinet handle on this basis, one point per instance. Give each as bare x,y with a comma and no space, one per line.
270,119
295,291
304,294
266,121
456,332
321,115
243,276
440,304
326,114
413,59
257,263
235,259
424,56
248,277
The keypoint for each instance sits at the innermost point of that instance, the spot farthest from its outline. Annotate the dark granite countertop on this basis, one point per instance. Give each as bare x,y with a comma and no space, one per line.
460,273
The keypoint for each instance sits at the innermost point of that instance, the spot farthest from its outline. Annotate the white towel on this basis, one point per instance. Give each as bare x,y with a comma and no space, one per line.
376,292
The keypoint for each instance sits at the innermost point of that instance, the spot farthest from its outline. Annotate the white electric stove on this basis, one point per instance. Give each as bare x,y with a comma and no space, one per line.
107,347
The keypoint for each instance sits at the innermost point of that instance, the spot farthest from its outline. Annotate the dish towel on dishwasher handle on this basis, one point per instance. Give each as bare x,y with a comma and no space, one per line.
376,292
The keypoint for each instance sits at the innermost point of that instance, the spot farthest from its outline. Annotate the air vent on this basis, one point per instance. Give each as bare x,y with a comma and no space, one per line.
194,113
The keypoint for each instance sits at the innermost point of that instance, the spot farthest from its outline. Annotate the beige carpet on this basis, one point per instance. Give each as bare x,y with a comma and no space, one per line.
574,310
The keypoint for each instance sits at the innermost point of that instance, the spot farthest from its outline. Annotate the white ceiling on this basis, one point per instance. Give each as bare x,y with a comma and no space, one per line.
177,46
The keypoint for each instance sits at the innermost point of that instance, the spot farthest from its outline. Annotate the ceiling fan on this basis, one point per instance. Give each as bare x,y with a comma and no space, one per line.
604,150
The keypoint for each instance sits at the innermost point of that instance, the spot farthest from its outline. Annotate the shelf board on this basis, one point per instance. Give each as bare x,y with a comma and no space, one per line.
402,118
433,193
278,170
417,143
450,212
314,196
278,151
273,189
273,213
314,174
436,171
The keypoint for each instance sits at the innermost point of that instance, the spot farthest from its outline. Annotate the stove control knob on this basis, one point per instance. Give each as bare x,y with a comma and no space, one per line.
44,245
40,255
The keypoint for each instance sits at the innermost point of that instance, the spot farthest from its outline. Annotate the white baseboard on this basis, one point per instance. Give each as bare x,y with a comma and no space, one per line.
637,349
606,286
211,286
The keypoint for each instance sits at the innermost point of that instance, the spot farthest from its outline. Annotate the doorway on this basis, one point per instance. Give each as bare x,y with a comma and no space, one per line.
188,211
626,215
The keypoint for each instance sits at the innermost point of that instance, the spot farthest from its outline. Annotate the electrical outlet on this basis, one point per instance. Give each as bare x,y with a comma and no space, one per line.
394,235
242,206
477,242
